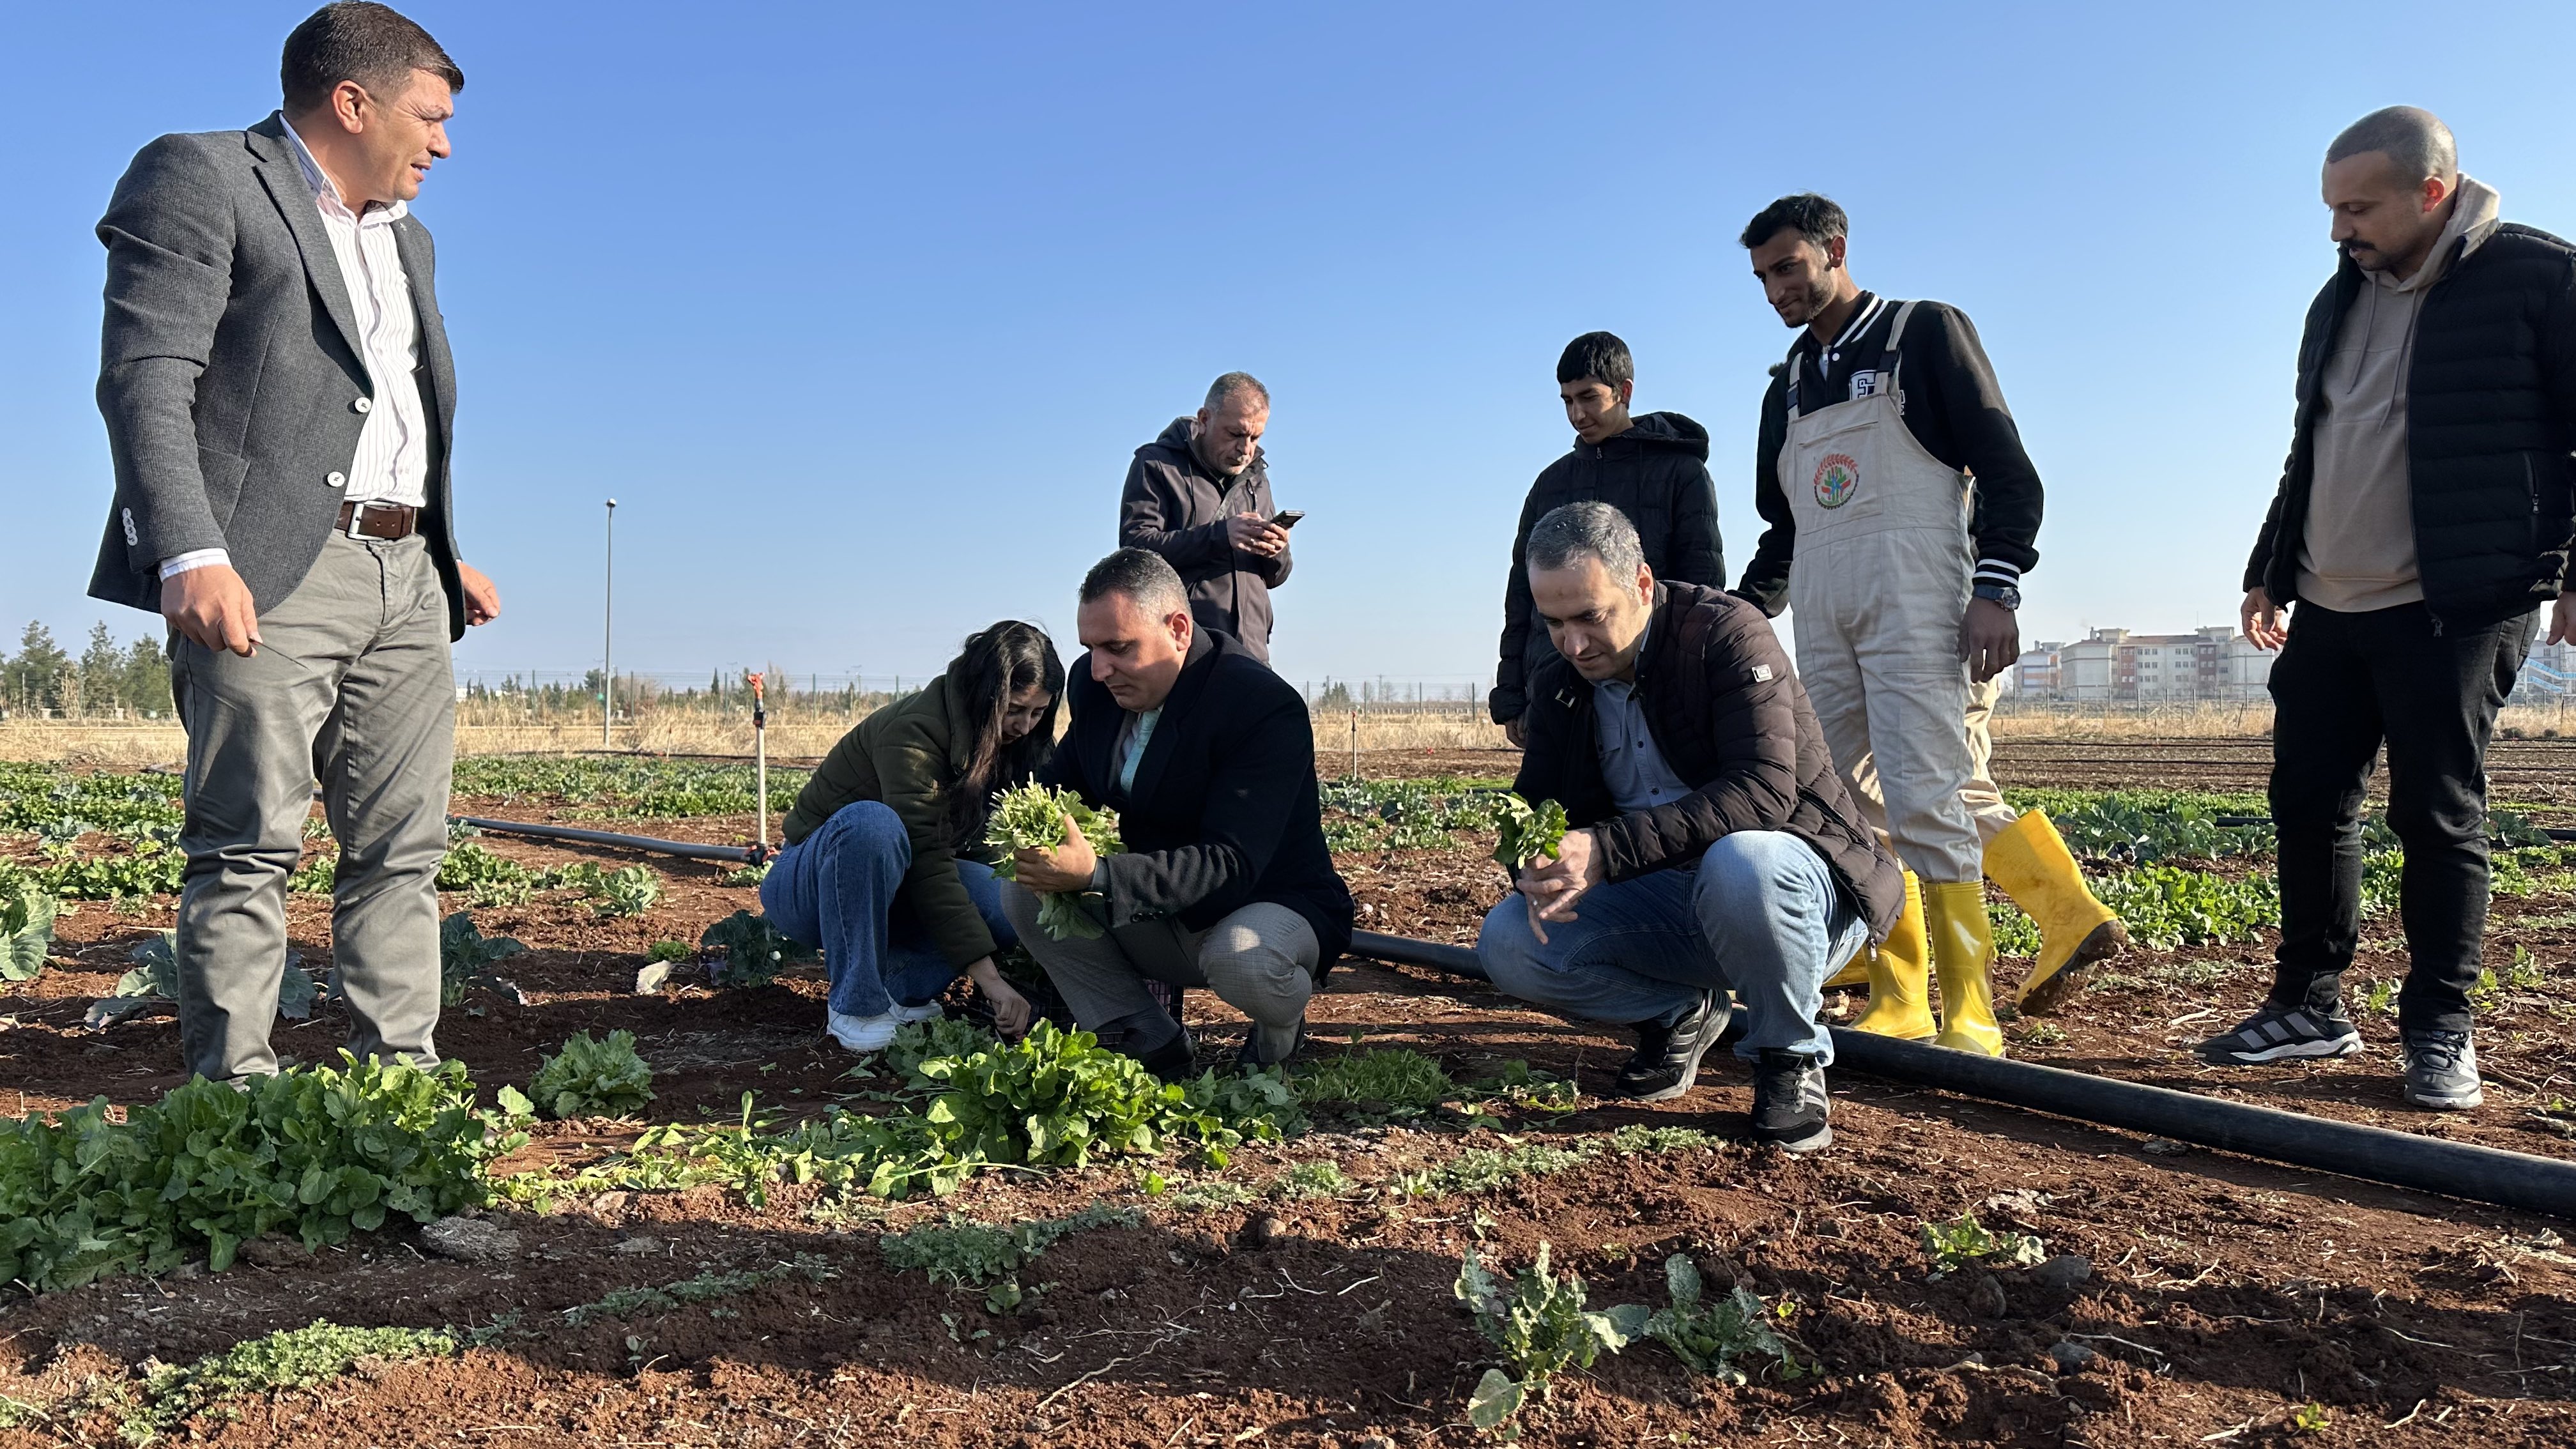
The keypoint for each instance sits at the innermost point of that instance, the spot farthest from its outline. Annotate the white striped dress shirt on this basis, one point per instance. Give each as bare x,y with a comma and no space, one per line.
392,462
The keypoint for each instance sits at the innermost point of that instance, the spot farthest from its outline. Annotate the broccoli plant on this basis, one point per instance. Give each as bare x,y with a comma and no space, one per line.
1032,818
465,954
1712,1337
1539,1322
753,950
592,1078
155,978
26,932
1528,833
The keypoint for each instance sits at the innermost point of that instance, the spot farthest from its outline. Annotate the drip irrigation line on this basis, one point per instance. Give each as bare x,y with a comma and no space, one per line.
2516,1180
743,854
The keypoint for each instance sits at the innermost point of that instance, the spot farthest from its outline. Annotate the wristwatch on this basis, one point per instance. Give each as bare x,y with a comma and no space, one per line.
2007,595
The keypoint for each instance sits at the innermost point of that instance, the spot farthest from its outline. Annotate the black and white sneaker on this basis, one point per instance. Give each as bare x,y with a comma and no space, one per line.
2283,1033
1667,1059
2442,1070
1790,1108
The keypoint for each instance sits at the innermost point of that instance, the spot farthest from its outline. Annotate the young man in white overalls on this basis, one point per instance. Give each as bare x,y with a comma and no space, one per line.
1901,511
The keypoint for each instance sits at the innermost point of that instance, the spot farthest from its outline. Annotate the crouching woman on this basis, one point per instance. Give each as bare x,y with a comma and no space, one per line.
885,865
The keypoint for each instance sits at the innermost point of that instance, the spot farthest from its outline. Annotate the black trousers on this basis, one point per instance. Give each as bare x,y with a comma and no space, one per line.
2344,684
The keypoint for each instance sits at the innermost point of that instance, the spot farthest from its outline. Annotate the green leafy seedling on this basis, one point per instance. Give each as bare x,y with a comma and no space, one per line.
1540,1324
1713,1337
466,954
592,1078
1963,1241
754,950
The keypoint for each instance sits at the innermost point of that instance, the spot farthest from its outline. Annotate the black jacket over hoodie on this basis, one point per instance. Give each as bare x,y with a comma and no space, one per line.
2490,422
1173,505
1657,474
1224,811
1730,719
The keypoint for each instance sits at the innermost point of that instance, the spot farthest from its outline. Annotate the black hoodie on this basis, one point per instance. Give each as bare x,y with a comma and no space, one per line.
1657,474
1176,507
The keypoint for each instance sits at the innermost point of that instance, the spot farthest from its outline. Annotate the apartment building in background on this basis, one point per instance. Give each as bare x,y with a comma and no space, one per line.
2114,666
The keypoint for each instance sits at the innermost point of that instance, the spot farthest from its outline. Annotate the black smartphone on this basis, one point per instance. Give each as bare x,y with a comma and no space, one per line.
1289,518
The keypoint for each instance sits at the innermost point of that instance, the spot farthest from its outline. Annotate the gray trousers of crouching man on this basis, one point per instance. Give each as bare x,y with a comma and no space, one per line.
350,686
1260,960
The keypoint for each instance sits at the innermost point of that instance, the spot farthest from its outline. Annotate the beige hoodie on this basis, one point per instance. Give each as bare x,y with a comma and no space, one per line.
2358,552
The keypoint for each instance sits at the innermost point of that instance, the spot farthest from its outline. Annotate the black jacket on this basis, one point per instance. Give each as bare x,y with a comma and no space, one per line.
1953,406
2490,421
1730,718
1225,811
1657,474
1173,505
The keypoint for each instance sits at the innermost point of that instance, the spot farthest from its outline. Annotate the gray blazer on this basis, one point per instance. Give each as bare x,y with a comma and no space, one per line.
229,371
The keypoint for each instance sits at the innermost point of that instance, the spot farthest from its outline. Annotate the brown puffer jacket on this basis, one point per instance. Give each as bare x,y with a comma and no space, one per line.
1732,721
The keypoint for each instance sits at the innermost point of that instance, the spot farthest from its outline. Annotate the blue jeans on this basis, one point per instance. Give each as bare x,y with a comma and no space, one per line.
1760,914
839,888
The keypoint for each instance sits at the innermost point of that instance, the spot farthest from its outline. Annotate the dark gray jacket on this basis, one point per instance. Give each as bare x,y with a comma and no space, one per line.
228,373
1657,474
1176,507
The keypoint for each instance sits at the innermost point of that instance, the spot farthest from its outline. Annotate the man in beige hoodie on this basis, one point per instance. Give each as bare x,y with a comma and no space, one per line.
2422,519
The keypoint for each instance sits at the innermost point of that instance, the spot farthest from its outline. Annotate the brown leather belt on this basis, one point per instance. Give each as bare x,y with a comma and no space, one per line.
379,520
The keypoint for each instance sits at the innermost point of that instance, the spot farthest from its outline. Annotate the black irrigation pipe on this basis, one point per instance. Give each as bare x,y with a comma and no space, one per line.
2517,1180
744,854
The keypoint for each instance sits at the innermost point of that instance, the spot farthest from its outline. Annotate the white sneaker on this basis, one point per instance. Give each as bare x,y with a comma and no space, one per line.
862,1033
926,1011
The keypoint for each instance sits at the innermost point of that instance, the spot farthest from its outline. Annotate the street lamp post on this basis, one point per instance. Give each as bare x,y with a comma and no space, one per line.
608,631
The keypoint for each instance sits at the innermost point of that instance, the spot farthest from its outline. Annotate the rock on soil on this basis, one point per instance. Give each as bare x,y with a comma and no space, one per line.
469,1240
2062,1273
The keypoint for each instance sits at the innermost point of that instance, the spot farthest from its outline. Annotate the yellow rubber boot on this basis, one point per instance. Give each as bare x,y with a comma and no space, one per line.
1900,975
1963,956
1854,973
2035,868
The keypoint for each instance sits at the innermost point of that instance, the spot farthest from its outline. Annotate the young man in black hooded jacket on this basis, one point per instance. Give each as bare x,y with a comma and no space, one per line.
1652,467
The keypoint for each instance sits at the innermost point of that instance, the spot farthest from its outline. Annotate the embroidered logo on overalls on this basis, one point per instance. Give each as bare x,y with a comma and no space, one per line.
1836,479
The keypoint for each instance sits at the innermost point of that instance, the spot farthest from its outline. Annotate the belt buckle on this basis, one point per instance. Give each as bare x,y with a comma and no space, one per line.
357,521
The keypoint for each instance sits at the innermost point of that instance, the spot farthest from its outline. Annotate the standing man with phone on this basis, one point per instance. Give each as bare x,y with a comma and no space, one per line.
1199,495
279,395
1652,467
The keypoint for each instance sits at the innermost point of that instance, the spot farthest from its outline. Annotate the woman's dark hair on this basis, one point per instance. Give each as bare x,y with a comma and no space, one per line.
994,665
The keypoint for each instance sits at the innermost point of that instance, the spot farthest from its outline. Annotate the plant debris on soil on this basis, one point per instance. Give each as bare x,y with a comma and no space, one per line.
1951,1272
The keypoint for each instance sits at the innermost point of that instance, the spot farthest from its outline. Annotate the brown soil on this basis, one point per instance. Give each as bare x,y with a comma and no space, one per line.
2228,1297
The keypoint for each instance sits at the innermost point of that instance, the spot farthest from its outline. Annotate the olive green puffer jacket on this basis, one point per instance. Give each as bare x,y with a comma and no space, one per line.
906,755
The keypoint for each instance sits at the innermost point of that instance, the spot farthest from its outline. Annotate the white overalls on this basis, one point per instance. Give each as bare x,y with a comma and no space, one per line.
1878,588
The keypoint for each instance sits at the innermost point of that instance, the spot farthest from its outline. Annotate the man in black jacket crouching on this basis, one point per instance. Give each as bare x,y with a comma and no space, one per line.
1718,848
1209,760
2421,521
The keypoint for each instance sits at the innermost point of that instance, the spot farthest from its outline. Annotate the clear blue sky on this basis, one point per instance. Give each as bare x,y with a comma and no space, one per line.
859,310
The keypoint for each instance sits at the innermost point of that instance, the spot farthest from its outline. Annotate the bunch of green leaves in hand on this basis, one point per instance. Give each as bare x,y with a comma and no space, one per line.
1032,818
1529,833
592,1078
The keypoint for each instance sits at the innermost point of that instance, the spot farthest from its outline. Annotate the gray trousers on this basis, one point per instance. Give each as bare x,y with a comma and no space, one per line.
350,686
1260,960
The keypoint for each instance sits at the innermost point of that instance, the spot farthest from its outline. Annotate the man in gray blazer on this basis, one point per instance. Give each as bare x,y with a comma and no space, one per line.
278,395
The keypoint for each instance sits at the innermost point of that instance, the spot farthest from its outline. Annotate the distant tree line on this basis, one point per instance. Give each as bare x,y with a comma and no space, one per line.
105,682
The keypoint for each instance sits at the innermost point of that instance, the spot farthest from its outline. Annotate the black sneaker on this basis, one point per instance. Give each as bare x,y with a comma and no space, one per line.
1790,1108
1249,1059
2442,1070
2283,1033
1667,1059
